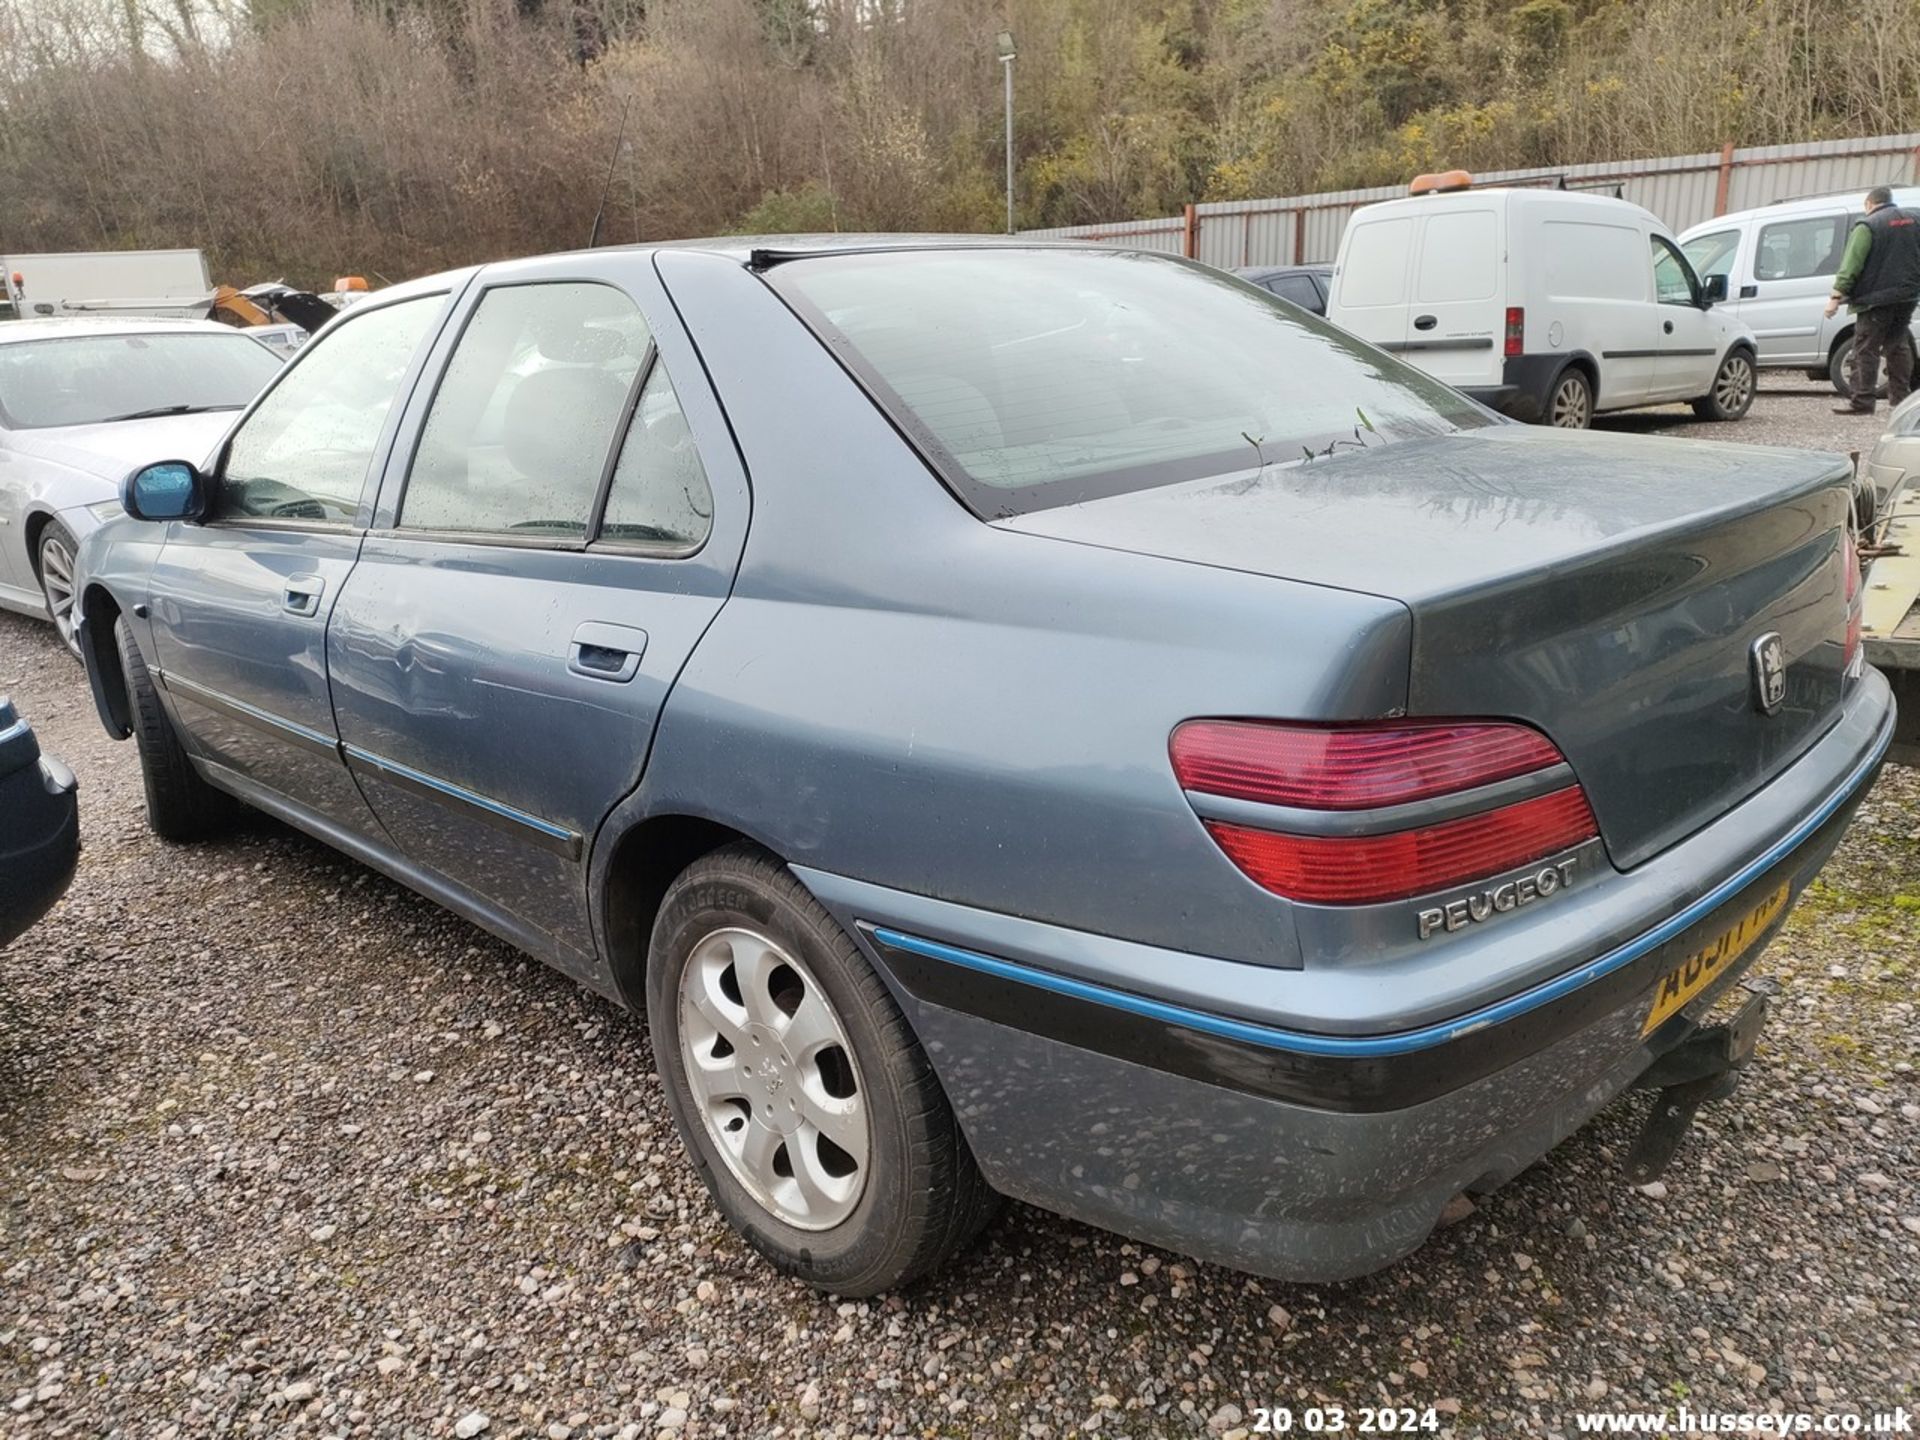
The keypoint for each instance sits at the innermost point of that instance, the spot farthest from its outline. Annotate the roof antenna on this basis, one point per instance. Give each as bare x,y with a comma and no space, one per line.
593,235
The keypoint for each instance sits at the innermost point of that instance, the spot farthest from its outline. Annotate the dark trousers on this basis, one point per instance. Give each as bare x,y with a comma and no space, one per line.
1882,330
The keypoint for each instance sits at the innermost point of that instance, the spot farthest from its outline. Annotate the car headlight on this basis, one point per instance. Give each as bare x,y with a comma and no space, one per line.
105,510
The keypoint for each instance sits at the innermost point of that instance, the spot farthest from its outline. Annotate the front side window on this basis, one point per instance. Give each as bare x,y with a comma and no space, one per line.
93,379
1673,282
303,454
1035,378
517,438
1712,254
1800,249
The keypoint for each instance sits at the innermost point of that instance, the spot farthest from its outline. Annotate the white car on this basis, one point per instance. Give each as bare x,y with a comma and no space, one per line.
1779,262
1547,305
82,403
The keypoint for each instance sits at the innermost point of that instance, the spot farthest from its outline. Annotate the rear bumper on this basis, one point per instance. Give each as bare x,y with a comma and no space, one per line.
1525,383
39,831
1306,1155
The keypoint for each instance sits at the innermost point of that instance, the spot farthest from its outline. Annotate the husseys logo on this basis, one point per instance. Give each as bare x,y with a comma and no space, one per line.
1498,899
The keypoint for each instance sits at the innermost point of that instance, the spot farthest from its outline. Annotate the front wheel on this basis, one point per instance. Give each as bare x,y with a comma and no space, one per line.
1732,393
800,1092
1570,407
53,562
180,804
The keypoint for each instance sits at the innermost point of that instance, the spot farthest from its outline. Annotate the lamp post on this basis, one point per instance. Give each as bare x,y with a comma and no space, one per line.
1006,64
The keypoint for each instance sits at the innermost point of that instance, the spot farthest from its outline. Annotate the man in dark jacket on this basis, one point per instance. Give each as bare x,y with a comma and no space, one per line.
1879,280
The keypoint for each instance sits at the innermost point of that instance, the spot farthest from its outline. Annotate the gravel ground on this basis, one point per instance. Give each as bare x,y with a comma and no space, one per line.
1788,409
285,1149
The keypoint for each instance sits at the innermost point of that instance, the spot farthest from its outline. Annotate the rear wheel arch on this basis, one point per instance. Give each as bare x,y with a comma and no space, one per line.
640,863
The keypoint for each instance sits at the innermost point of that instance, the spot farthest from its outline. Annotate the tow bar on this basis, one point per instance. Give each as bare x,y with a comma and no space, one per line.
1704,1066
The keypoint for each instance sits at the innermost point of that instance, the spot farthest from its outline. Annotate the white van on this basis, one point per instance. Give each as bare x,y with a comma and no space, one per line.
1547,305
1779,262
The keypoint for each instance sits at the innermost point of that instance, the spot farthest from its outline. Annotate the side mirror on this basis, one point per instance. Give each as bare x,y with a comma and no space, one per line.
169,490
1713,290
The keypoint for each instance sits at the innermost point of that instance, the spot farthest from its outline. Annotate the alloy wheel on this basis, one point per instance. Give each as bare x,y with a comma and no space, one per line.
1572,405
774,1079
56,585
1733,389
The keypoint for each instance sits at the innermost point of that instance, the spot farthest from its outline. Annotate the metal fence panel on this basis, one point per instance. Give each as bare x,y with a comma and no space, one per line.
1682,190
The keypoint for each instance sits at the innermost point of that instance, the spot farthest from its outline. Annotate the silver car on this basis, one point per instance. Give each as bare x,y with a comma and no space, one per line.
84,401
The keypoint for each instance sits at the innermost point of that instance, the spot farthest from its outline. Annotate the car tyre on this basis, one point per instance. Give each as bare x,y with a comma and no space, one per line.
737,934
1840,371
1734,384
180,804
1570,403
53,560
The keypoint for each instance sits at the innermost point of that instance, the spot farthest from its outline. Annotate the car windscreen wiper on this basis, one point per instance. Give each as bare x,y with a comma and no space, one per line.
167,410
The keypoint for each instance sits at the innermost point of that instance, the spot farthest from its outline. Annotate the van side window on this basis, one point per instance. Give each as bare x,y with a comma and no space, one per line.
1673,282
1712,254
520,428
1798,249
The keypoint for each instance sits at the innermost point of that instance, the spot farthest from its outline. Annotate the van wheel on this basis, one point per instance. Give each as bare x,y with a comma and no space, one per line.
180,804
802,1095
1570,407
1732,393
1840,370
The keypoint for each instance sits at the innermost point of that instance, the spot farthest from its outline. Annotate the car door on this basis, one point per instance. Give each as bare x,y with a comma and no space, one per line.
558,528
1689,337
1792,269
239,603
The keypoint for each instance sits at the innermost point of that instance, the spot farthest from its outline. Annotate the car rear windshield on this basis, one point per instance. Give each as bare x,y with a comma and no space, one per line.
1036,378
85,379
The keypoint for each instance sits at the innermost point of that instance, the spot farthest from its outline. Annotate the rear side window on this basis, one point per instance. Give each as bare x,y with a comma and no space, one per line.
1800,249
1459,255
660,495
517,438
1040,377
1300,289
1594,262
303,453
1374,268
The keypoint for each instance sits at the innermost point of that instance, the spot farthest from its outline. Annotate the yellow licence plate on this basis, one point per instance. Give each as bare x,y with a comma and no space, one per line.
1703,966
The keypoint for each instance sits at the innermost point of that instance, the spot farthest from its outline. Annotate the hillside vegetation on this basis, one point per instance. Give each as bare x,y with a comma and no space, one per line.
308,138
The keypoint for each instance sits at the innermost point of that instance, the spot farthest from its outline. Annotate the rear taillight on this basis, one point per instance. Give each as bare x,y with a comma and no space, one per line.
1373,767
1852,659
1516,330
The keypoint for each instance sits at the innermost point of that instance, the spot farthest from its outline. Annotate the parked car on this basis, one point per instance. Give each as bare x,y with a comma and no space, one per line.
83,401
1031,720
1547,305
1779,262
1305,285
39,826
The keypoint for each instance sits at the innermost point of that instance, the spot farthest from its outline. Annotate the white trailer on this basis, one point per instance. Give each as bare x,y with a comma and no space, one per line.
171,284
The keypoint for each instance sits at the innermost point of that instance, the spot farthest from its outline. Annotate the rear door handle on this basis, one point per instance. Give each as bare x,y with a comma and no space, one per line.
1667,326
600,651
1748,292
1426,322
303,595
